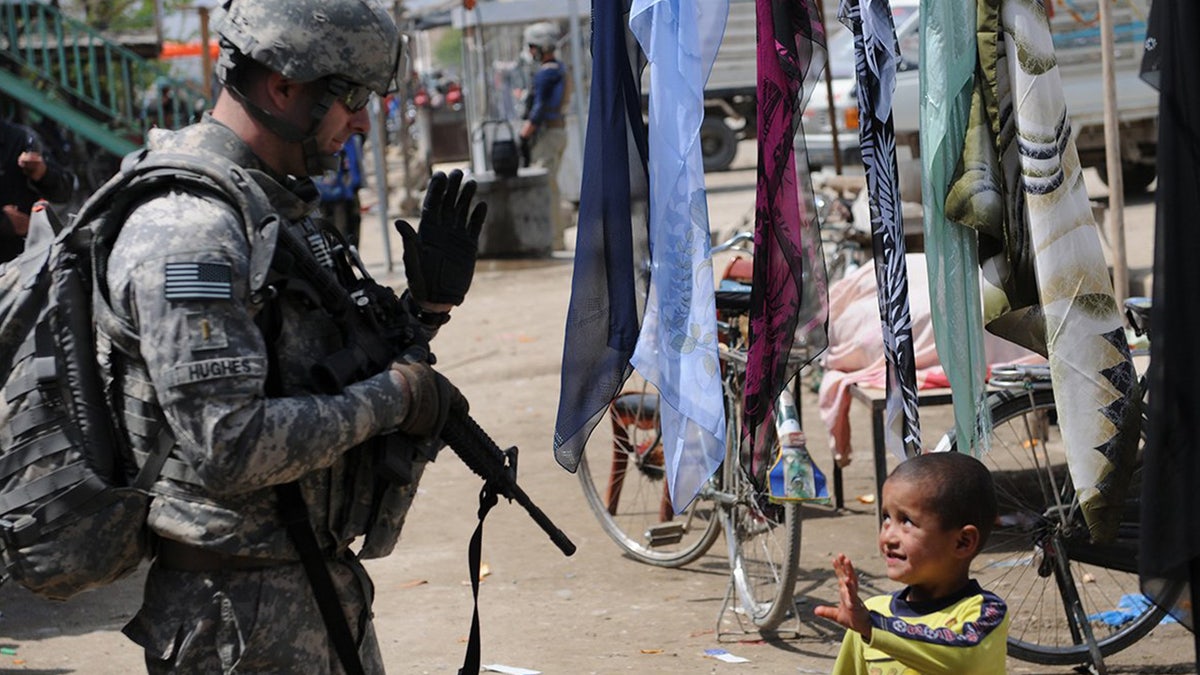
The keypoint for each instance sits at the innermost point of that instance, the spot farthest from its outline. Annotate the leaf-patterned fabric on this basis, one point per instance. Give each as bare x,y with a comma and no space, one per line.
677,347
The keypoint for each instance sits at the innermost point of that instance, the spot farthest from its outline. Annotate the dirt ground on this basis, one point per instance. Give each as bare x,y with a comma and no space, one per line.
595,612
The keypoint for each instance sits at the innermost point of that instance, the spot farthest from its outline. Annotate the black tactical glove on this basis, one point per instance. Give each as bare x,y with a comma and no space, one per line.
439,259
432,395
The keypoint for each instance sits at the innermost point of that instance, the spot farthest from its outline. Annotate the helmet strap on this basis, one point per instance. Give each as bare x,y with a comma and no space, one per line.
315,162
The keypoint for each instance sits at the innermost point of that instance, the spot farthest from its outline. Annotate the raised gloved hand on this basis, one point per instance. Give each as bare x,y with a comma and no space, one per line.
431,396
439,258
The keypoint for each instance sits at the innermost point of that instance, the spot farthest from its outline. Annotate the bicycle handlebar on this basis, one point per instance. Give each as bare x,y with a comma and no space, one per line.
1020,376
736,241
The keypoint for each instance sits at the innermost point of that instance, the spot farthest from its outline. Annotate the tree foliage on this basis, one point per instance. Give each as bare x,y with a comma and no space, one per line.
447,52
119,15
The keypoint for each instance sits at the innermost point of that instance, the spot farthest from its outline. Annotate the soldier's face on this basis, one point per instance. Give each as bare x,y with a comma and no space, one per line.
339,124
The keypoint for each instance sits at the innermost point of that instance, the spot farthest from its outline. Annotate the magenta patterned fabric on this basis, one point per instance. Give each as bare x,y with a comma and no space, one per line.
790,301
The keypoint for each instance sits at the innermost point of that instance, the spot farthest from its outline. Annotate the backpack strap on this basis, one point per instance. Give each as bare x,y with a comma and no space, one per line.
208,172
153,465
146,173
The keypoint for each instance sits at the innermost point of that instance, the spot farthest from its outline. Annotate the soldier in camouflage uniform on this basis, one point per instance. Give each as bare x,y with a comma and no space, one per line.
226,592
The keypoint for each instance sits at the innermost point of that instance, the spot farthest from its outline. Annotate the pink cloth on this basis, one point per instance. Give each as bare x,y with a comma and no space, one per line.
855,353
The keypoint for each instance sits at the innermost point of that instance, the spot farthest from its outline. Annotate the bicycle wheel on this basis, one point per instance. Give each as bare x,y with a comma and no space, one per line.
763,539
1039,557
623,475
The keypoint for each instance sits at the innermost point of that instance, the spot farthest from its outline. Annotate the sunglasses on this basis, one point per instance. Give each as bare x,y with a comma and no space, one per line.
354,96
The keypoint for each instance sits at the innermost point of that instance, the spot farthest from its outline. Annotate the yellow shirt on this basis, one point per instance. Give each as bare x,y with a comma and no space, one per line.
964,634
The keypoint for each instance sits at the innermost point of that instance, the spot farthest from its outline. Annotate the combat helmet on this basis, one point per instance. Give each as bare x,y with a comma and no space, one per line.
544,35
354,46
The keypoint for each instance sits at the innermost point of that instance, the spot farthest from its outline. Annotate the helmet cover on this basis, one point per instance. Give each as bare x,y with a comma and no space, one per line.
544,35
306,40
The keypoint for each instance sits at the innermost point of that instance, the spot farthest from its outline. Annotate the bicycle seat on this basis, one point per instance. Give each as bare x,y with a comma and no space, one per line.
733,296
739,269
733,300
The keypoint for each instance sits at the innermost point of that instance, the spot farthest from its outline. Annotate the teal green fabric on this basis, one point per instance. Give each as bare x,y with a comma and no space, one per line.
947,80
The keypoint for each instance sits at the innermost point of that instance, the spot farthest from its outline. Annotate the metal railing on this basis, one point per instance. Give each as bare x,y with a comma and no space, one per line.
71,65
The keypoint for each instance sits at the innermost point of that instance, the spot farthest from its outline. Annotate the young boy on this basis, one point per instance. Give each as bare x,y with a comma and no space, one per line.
938,510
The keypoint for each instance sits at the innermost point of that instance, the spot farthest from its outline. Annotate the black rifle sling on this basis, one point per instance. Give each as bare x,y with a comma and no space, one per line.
334,295
294,512
487,499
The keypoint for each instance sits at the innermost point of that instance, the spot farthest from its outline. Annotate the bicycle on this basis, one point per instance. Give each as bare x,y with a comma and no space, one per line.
1061,588
624,481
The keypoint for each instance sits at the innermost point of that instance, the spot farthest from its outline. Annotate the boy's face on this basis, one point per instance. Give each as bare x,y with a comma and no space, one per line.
919,551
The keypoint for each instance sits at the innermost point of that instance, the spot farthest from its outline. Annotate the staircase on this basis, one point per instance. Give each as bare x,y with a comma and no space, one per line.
73,74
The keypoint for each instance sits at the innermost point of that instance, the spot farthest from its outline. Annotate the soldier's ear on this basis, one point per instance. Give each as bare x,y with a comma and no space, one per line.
281,91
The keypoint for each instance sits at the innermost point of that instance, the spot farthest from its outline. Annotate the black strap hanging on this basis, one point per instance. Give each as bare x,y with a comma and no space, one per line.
294,512
487,499
295,515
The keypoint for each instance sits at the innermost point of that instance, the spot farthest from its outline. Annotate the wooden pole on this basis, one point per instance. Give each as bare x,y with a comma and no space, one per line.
206,65
1112,146
833,121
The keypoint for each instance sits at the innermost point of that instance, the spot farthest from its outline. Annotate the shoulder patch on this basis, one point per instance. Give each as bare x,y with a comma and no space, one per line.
214,369
199,281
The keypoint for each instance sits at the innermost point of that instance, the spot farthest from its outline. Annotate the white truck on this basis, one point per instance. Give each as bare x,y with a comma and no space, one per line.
1076,30
729,93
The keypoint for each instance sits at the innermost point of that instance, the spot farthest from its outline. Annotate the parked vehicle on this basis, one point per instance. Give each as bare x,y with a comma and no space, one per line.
1076,32
729,94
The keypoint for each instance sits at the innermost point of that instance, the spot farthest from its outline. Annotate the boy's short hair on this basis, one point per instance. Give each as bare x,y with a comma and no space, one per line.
958,488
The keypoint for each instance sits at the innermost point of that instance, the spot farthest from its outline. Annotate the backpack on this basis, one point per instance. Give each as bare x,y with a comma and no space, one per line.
73,502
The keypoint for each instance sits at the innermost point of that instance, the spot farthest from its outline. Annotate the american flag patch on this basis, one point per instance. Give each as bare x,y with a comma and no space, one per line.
199,281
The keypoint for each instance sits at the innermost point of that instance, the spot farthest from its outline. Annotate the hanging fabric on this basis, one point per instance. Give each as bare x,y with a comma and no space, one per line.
1046,281
611,271
677,347
948,43
1170,533
789,302
876,54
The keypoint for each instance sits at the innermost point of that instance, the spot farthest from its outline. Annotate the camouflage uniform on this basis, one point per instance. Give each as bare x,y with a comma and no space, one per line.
201,370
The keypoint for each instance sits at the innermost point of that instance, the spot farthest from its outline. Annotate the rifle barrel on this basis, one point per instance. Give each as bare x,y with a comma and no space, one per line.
481,454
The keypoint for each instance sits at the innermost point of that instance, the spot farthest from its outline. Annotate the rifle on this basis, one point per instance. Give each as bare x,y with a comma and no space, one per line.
380,330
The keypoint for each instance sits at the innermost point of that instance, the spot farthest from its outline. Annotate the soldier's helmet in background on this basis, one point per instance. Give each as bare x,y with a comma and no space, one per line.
544,35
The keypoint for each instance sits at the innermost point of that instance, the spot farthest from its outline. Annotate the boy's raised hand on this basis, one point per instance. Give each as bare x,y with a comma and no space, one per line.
850,612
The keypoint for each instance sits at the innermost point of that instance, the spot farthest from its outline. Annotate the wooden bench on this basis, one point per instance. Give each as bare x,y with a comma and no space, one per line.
876,401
